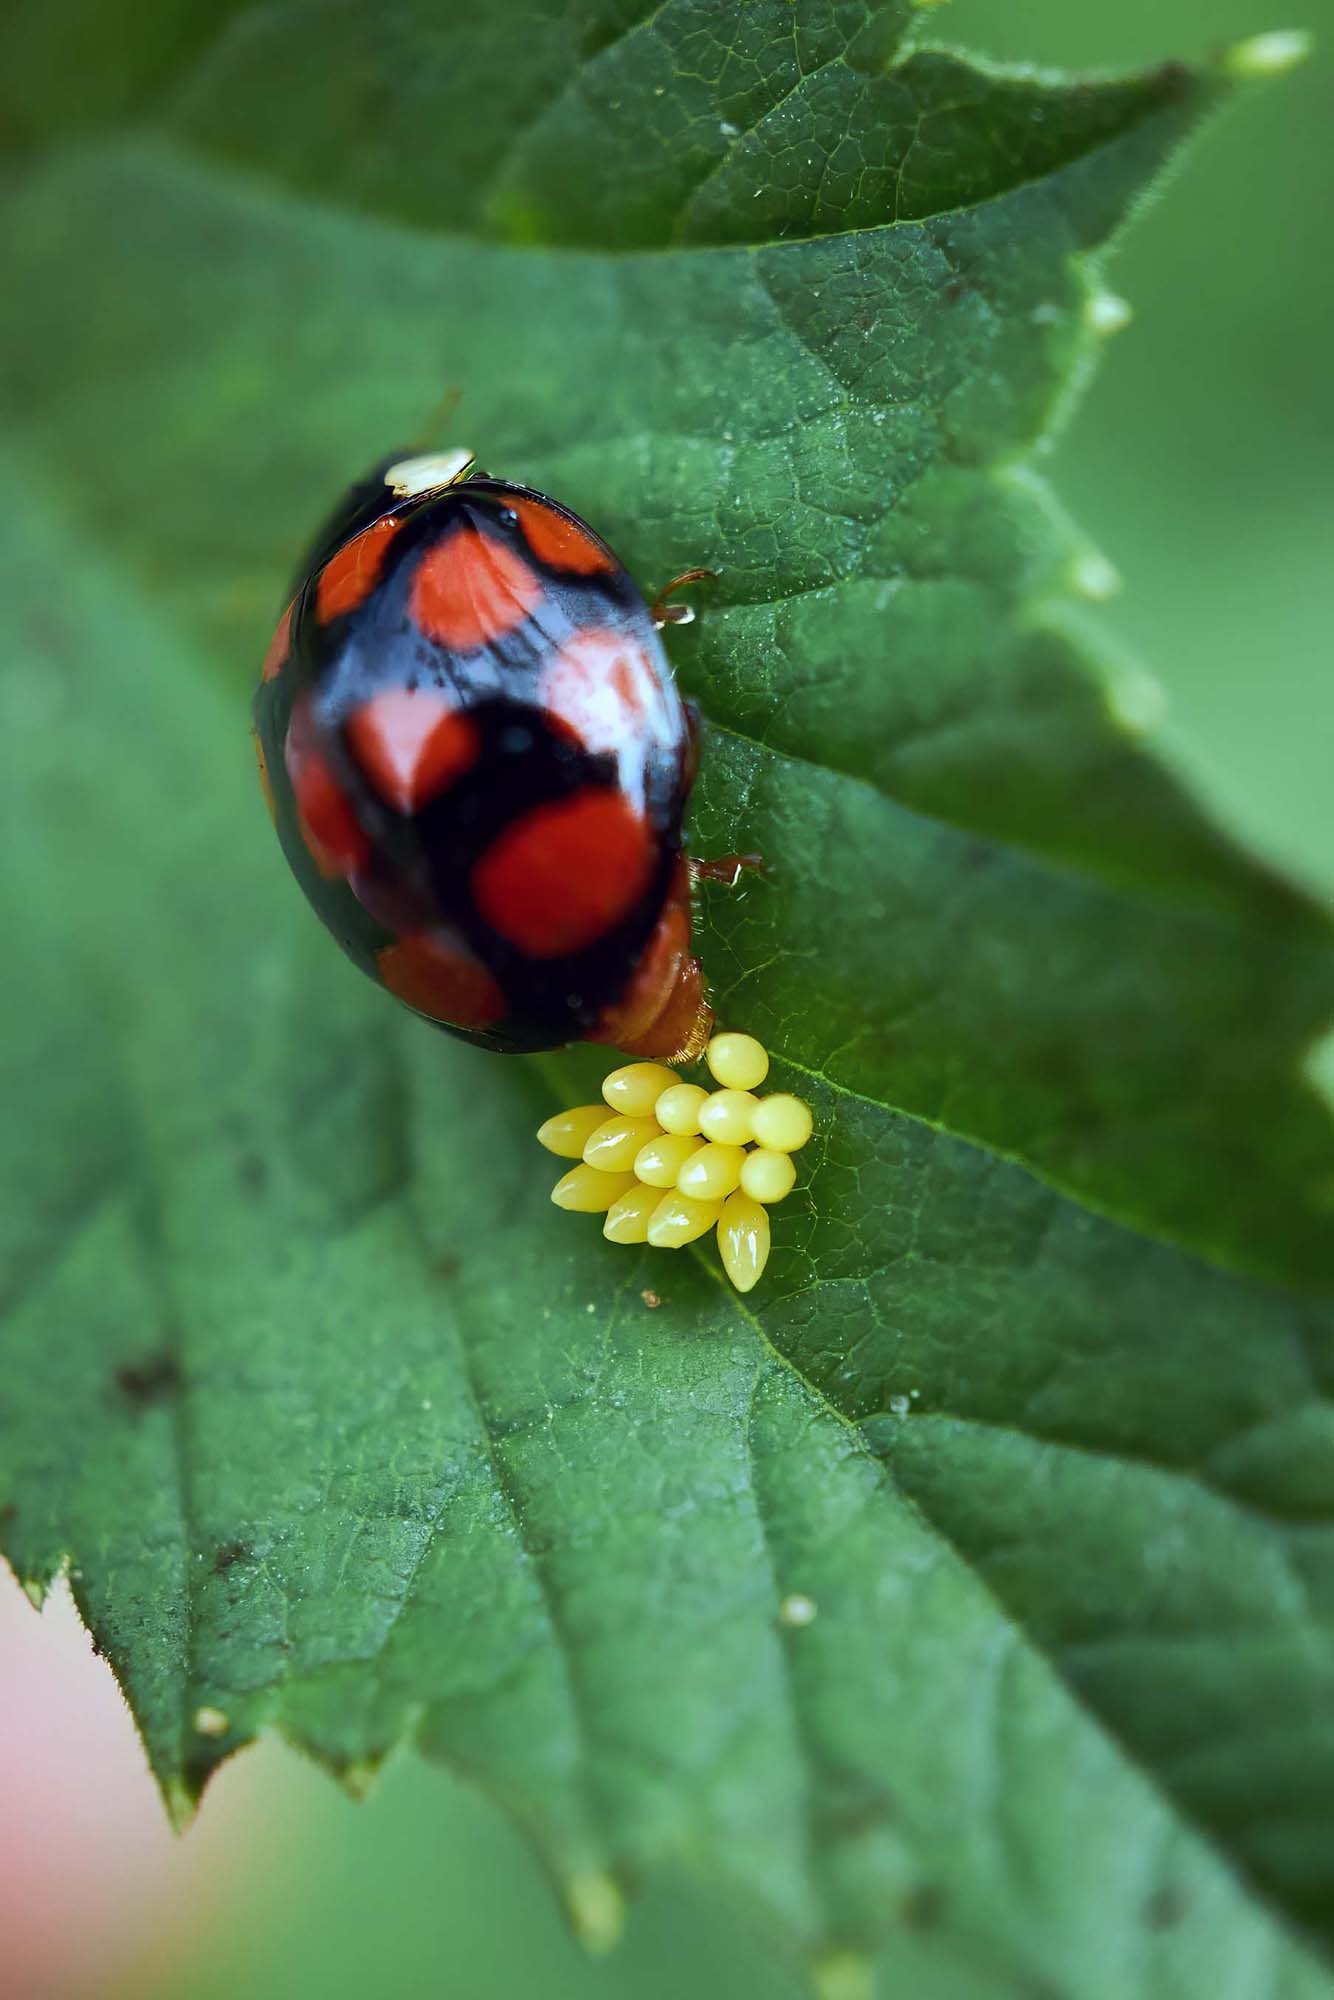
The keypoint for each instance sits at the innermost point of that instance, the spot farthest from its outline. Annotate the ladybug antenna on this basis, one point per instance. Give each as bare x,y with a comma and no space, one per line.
432,435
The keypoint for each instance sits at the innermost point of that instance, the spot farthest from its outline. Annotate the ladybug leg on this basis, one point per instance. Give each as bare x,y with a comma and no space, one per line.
728,868
662,613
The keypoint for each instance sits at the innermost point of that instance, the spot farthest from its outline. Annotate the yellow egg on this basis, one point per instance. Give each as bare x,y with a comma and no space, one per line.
712,1172
589,1192
628,1216
612,1147
738,1061
636,1088
727,1115
568,1132
677,1110
743,1240
678,1219
661,1160
766,1175
781,1122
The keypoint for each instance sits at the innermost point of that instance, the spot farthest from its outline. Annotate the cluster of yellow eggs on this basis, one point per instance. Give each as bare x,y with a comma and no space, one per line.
673,1160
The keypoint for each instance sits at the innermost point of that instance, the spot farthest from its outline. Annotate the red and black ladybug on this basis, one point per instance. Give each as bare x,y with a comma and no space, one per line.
478,761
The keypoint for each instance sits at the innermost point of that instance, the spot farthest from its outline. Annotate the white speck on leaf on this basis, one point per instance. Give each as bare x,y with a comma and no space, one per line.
797,1609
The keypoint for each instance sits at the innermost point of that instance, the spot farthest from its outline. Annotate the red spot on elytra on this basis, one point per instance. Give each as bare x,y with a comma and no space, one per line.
602,686
469,591
559,878
348,578
441,981
329,826
565,544
412,743
279,645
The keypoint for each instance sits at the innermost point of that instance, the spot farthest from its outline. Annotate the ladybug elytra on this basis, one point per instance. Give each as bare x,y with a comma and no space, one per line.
478,763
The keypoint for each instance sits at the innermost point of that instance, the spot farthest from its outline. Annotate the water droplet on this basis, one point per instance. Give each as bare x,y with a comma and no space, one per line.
1105,313
1094,577
1137,701
797,1610
1268,55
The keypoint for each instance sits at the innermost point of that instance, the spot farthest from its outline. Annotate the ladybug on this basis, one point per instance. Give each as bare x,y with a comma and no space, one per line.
477,761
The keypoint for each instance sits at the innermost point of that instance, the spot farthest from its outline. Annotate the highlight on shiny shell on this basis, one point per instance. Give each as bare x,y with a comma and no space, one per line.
665,1161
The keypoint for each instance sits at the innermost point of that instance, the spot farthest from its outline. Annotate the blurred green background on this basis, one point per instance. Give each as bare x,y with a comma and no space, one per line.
1201,466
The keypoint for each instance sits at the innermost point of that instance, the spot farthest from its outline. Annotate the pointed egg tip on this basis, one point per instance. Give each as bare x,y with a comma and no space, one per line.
613,1145
628,1218
1273,54
679,1219
659,1162
743,1241
635,1088
588,1190
566,1133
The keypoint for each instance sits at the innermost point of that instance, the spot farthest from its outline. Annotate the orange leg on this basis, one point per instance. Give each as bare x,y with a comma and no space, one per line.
662,613
728,868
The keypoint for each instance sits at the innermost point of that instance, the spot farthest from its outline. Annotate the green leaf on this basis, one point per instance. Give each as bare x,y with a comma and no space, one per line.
344,1431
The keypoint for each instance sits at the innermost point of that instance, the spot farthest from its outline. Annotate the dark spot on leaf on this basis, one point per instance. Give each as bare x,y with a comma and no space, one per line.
253,1172
448,1266
1175,78
1166,1907
924,1906
856,1807
149,1381
228,1553
954,291
9,1513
